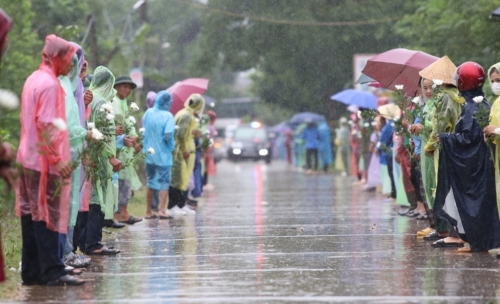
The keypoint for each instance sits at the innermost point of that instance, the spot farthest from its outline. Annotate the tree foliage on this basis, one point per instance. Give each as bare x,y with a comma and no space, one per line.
299,66
460,29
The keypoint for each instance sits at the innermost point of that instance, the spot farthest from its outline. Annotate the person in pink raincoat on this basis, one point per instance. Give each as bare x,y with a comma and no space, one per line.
43,191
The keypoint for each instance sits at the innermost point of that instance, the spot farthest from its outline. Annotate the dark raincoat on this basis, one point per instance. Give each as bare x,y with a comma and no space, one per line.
465,193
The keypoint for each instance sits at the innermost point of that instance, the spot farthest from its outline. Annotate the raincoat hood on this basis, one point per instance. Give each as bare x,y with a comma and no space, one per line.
495,66
5,25
163,101
196,103
57,54
150,99
77,84
73,74
102,82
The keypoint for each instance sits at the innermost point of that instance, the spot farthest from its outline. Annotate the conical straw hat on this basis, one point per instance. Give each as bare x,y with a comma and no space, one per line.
443,69
389,111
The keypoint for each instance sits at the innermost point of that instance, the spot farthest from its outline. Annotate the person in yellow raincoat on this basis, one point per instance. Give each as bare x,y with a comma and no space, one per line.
493,130
186,127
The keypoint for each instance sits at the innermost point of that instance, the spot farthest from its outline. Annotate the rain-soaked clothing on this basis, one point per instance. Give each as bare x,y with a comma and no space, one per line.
43,101
495,121
101,189
77,135
5,25
466,194
185,123
42,196
159,136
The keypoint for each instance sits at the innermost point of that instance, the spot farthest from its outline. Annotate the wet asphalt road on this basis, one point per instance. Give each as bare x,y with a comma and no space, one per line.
268,234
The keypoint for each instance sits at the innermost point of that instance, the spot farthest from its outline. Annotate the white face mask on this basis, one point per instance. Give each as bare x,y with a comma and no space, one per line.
495,87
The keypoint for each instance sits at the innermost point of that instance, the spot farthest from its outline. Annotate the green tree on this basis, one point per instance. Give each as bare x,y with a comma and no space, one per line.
460,29
300,63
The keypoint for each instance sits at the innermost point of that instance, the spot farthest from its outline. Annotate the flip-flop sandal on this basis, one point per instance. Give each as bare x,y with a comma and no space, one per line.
154,216
105,251
433,236
131,220
168,217
442,244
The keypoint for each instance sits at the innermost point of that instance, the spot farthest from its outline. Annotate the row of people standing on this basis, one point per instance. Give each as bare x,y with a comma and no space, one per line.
442,166
77,154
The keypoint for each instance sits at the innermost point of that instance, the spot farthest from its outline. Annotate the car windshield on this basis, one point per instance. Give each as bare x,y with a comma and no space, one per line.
249,133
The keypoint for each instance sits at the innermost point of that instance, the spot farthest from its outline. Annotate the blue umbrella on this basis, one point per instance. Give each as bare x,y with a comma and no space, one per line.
306,117
357,98
496,13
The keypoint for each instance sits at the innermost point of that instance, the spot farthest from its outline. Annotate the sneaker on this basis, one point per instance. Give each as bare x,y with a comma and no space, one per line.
176,211
76,262
188,210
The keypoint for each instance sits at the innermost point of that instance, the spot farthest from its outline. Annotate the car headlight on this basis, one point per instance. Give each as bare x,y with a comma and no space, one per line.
263,152
236,151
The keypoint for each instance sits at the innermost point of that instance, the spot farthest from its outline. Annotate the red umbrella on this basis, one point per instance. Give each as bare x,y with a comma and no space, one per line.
398,66
181,90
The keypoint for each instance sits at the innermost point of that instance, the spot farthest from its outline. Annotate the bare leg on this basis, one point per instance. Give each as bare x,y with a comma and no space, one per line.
163,203
149,201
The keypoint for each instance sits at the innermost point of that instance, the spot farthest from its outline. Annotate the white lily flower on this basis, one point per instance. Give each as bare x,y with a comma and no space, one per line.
437,82
96,134
374,123
132,119
134,106
151,151
8,100
102,109
110,117
497,131
396,118
366,125
60,124
478,99
107,107
399,87
359,115
416,100
142,130
90,125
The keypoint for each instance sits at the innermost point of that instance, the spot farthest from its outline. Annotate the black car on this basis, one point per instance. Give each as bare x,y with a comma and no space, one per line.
250,141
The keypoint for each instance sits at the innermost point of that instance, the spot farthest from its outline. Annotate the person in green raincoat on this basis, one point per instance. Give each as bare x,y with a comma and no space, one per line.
493,130
184,153
103,161
447,109
128,180
77,136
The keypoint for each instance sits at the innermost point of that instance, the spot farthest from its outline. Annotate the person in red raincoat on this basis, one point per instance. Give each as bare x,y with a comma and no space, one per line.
6,151
43,190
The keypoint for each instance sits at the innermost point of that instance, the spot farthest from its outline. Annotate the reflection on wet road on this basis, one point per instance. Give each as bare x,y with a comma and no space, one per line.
269,234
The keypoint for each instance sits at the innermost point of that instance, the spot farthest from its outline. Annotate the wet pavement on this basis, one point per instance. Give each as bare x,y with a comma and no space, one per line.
268,234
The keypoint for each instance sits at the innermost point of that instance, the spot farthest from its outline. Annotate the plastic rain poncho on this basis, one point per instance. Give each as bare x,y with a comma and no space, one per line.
102,90
122,113
185,123
325,145
159,134
77,135
42,144
495,121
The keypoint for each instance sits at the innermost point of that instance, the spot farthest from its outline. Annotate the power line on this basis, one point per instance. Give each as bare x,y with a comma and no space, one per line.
287,22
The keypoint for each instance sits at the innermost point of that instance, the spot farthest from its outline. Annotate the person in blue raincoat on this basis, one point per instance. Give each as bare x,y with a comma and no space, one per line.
325,146
159,143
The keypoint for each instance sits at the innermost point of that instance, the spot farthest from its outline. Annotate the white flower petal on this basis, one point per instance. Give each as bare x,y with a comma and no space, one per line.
110,117
132,119
96,134
142,130
60,124
359,115
134,106
151,151
416,100
90,125
437,82
478,99
8,100
399,87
